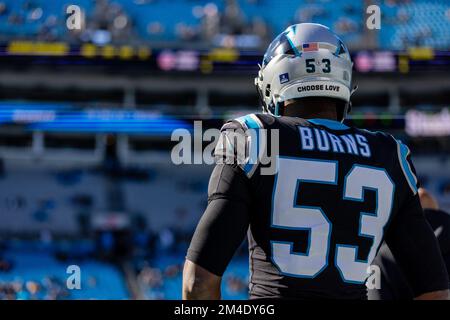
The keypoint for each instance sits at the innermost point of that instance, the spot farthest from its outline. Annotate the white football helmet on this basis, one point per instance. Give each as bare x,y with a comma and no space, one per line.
306,60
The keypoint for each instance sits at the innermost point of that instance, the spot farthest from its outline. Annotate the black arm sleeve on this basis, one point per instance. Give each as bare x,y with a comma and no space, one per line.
440,222
416,249
225,222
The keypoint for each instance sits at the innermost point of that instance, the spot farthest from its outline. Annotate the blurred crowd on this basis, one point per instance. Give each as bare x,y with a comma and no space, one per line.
214,25
49,288
163,280
239,23
109,22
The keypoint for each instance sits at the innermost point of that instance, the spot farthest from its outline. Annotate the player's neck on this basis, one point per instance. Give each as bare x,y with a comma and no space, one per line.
295,112
311,110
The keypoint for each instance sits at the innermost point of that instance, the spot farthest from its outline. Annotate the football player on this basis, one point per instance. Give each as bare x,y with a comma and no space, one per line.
316,222
393,284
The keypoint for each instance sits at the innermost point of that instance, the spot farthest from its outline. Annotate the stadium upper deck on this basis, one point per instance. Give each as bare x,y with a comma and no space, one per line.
241,23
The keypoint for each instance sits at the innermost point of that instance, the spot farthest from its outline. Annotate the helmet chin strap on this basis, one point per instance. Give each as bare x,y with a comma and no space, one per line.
277,109
347,109
355,87
348,106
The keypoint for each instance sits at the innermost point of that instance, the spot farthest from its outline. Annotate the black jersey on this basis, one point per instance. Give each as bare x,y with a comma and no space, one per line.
317,198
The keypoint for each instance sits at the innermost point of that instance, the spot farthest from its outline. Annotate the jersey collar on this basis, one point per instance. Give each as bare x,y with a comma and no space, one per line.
330,124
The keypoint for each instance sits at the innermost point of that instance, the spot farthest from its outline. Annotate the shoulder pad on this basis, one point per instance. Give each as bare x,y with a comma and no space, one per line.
240,145
404,159
250,121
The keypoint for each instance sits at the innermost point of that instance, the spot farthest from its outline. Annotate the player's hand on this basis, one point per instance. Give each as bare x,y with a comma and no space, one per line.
427,200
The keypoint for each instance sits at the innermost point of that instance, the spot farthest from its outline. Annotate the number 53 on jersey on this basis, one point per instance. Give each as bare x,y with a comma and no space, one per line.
286,214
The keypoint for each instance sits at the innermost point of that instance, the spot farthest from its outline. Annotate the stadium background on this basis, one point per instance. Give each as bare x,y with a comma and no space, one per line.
86,118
